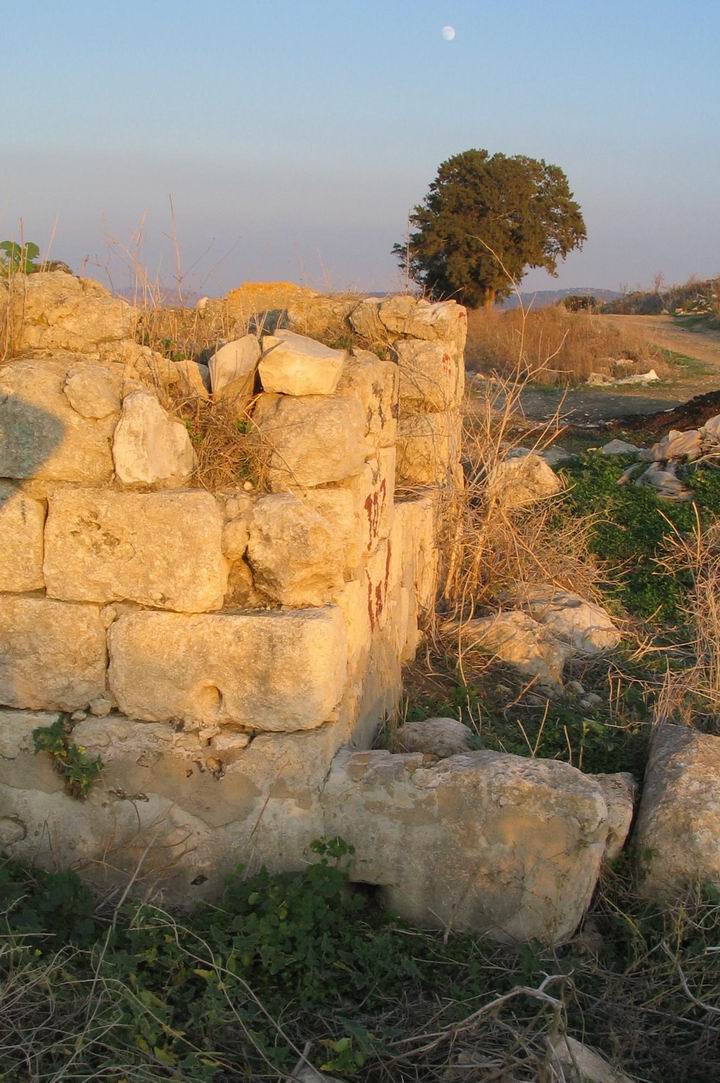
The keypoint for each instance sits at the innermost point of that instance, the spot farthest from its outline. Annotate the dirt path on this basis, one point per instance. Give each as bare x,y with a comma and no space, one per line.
704,345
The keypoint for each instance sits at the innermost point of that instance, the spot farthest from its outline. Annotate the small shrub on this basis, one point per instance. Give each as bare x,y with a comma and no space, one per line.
19,258
71,761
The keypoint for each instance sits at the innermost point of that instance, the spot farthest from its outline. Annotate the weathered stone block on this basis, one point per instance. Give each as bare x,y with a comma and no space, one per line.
41,435
374,383
499,844
428,376
93,390
373,490
293,364
56,311
233,369
428,447
266,670
149,446
444,320
21,540
52,654
338,505
313,440
157,549
295,552
677,836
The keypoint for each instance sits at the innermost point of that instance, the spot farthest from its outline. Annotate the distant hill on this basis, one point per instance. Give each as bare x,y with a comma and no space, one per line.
546,298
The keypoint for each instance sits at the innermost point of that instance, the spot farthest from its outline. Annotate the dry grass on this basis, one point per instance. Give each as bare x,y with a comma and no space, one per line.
558,346
495,548
692,694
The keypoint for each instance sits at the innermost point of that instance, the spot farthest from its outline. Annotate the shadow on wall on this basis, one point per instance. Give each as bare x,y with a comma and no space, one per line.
28,438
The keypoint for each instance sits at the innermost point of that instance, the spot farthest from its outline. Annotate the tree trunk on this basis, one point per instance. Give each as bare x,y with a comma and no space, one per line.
488,299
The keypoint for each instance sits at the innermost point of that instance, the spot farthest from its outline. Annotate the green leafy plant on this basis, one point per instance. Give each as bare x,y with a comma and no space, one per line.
71,761
19,258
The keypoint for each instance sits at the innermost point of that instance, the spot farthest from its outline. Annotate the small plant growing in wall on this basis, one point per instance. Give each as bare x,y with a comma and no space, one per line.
71,761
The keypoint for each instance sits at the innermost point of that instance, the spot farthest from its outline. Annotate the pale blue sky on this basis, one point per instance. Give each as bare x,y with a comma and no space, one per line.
295,135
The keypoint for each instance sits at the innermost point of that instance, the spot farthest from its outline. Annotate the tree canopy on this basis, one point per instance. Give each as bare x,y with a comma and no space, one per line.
486,217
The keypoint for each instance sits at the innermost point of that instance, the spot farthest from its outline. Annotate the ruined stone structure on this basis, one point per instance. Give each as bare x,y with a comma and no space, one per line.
231,654
224,645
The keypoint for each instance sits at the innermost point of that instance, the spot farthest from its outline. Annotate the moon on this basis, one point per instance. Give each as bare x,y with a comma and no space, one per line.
448,32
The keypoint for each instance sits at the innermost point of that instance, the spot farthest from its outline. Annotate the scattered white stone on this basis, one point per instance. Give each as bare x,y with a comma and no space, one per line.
619,447
583,625
293,364
665,482
592,700
582,1063
521,641
519,482
678,445
150,447
439,737
711,428
641,378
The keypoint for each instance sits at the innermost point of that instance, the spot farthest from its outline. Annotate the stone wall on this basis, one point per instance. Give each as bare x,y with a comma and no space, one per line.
215,648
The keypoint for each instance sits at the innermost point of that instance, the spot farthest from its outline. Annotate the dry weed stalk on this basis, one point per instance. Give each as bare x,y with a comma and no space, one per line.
696,689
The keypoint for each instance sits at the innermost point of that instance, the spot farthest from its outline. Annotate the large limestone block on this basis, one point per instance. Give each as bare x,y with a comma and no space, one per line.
677,836
374,382
22,522
233,368
52,654
584,626
178,809
293,364
519,640
428,376
41,435
506,846
57,311
157,549
266,670
295,552
444,320
308,441
428,448
150,447
520,482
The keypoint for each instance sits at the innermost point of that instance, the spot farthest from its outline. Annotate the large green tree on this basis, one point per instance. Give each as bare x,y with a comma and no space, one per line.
486,217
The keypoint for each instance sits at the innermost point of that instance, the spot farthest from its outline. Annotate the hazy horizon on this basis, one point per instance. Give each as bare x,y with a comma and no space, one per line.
294,138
